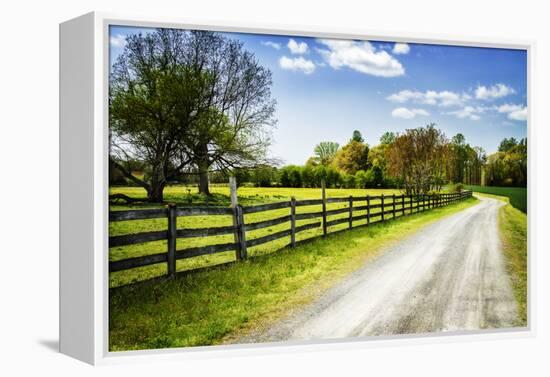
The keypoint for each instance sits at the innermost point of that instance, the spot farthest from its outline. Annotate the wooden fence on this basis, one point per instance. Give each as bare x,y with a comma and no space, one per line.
378,209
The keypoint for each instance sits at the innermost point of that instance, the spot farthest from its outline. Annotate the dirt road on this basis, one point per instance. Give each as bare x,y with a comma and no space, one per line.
449,276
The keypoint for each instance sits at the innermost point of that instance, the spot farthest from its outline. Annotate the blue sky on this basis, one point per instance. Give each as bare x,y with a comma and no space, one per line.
325,89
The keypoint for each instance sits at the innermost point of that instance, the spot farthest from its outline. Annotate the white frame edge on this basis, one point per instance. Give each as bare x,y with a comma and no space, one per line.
84,277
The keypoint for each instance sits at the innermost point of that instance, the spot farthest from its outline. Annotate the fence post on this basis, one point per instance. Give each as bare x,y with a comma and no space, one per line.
393,205
172,236
402,204
410,204
382,205
323,193
292,222
368,209
234,204
240,233
350,206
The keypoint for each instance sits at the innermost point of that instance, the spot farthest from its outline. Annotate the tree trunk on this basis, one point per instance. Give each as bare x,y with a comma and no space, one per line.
203,164
155,193
203,182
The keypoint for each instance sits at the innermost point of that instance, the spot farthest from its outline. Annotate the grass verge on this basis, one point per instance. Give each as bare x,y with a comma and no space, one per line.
213,306
513,234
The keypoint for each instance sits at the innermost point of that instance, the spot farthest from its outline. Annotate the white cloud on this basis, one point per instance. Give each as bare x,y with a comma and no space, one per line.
401,48
406,95
514,112
275,45
118,40
468,112
508,108
297,64
362,57
444,98
297,48
404,113
496,91
518,115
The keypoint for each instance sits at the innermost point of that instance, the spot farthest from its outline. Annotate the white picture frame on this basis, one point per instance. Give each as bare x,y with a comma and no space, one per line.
84,44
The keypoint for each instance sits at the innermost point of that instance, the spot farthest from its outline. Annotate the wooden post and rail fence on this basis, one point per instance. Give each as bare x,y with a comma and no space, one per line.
387,208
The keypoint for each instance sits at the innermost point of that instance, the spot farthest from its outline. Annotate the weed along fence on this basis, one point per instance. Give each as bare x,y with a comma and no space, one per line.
251,226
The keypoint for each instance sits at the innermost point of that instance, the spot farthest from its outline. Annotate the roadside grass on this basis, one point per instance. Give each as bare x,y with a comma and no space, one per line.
513,233
247,196
213,306
517,195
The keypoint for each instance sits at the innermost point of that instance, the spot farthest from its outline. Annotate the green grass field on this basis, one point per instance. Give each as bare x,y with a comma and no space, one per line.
513,232
516,195
247,196
188,195
212,306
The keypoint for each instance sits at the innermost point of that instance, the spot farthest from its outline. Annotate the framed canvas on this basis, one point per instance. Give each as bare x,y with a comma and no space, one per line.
238,188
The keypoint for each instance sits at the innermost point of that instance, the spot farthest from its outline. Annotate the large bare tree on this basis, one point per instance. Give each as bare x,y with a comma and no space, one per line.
231,128
187,101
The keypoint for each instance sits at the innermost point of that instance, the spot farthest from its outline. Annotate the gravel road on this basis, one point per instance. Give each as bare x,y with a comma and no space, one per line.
449,276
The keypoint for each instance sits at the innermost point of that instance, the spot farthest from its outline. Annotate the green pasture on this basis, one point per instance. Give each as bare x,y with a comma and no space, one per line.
516,195
247,196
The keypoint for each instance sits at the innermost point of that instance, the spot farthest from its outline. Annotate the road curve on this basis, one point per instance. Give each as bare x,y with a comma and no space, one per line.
449,276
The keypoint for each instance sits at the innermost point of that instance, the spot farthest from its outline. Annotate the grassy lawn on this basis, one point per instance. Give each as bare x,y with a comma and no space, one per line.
212,306
513,232
517,195
247,196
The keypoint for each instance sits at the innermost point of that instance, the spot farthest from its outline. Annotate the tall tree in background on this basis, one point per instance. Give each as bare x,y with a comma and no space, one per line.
508,166
417,157
388,137
378,162
507,144
357,137
457,158
353,156
325,152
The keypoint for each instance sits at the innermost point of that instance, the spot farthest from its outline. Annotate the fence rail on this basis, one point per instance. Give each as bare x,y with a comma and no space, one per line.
389,207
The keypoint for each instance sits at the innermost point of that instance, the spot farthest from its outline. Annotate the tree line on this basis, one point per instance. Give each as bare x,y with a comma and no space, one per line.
419,160
508,166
